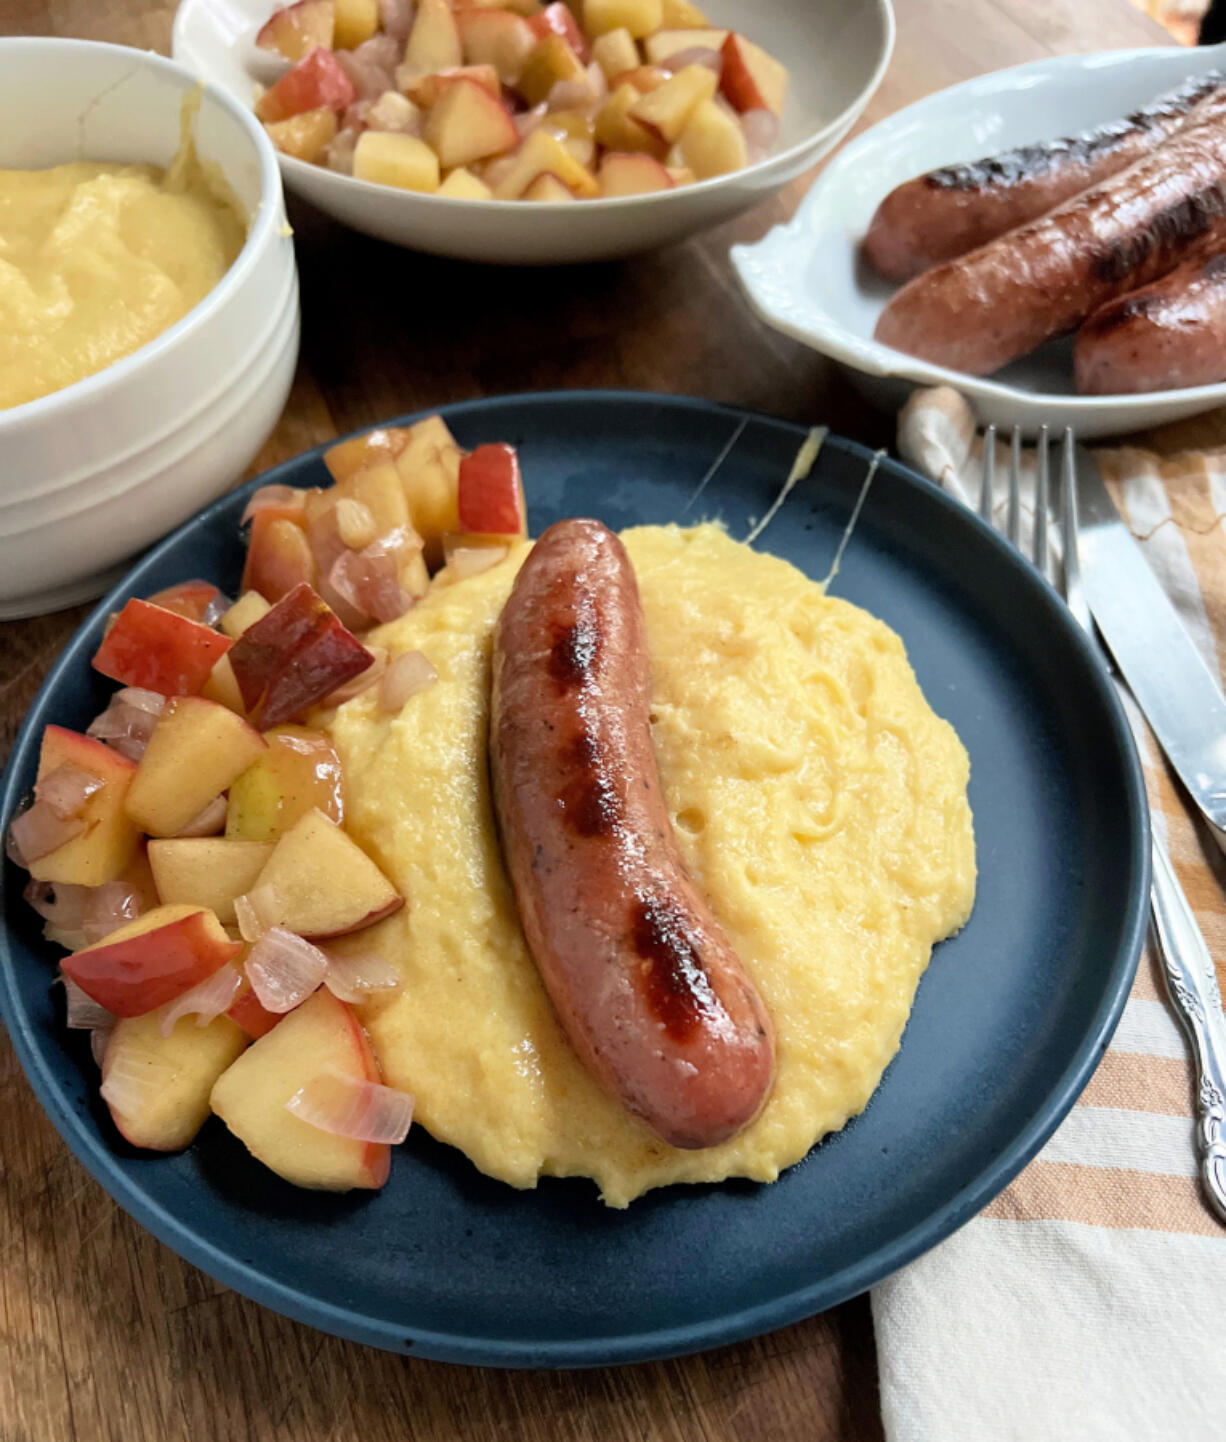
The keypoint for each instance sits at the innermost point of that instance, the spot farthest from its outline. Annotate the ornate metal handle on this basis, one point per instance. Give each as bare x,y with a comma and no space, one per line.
1192,984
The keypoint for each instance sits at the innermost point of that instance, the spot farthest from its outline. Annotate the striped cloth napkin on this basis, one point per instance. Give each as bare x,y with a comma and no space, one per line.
1088,1301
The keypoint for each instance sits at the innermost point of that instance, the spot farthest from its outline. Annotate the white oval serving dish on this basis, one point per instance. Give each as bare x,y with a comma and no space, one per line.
836,50
95,472
805,278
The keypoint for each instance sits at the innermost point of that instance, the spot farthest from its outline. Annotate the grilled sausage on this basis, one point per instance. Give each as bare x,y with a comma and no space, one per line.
978,312
644,983
947,212
1167,335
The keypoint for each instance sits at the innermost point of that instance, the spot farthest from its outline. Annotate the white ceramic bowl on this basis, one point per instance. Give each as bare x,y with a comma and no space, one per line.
836,50
95,472
804,277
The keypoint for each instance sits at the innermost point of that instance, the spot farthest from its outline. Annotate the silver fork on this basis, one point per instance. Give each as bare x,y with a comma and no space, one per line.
1186,964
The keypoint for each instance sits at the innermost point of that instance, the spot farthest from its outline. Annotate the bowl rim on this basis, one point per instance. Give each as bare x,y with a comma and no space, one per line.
870,357
261,228
764,169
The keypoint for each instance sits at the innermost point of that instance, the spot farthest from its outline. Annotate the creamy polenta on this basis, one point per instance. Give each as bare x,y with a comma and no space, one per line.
97,260
820,805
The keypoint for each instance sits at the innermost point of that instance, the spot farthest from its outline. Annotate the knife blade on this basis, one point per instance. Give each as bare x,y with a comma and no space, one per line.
1179,695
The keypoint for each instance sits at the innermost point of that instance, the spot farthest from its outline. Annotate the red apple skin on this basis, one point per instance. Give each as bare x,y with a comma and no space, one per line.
737,81
305,25
312,84
559,19
293,657
246,1011
144,972
159,650
491,493
189,598
279,555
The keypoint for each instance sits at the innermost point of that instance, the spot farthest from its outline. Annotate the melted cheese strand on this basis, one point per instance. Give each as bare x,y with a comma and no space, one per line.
714,466
801,467
878,457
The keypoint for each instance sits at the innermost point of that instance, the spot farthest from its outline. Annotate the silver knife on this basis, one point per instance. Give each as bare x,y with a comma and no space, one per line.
1177,692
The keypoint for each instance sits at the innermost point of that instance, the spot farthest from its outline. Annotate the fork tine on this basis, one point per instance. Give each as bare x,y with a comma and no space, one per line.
988,483
1013,519
1074,592
1042,485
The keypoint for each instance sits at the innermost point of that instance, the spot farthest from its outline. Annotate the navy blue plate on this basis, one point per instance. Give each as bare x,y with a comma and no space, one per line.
1008,1025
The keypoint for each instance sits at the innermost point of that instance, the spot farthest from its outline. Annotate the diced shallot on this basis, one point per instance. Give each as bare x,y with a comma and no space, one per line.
525,122
369,579
353,1107
111,905
134,1082
84,1013
339,154
405,677
207,1000
98,1039
269,498
761,129
66,789
369,67
396,18
39,831
394,112
215,610
284,969
62,904
127,723
697,55
468,561
353,977
256,912
210,822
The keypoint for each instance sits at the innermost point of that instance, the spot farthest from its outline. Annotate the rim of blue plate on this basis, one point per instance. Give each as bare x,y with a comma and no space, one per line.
90,1147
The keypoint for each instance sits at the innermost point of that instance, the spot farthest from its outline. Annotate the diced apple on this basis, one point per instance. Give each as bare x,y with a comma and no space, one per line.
208,871
664,44
712,142
248,609
250,1098
625,174
462,184
197,748
548,188
313,84
558,19
615,51
325,884
106,846
356,21
467,123
616,128
300,771
429,467
394,112
223,688
248,1011
645,78
640,17
491,500
352,455
540,154
297,29
551,62
160,1085
192,599
304,136
293,657
278,556
377,487
497,38
752,79
681,174
158,650
667,109
404,161
152,960
434,41
682,15
426,89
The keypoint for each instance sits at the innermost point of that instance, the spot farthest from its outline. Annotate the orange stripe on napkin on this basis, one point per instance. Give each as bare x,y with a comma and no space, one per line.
1139,1083
1105,1197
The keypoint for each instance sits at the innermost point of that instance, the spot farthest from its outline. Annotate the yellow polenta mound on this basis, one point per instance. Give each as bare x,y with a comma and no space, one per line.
820,804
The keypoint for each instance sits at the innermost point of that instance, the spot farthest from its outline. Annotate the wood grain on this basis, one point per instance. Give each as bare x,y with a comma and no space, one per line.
104,1333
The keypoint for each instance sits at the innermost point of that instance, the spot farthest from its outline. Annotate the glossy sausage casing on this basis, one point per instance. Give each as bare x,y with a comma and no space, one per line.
948,212
1167,335
645,984
979,312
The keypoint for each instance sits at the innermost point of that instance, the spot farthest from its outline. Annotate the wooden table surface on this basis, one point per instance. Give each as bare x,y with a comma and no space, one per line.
104,1333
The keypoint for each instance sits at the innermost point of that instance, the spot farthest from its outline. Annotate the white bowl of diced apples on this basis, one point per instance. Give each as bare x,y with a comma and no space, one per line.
472,129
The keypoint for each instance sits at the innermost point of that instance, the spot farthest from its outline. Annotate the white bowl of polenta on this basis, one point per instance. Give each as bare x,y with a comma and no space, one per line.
148,308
